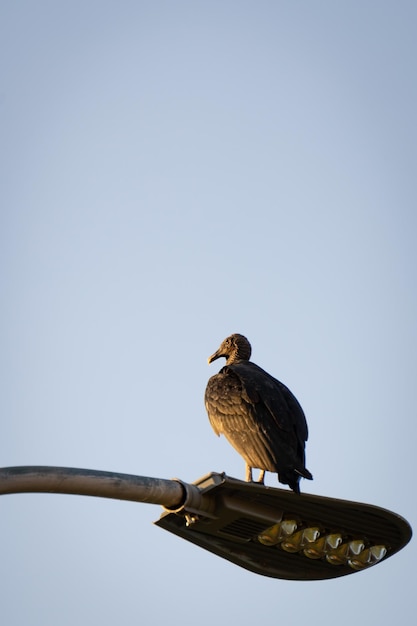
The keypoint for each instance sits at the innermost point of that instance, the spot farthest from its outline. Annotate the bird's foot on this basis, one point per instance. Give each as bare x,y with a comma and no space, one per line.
249,477
261,478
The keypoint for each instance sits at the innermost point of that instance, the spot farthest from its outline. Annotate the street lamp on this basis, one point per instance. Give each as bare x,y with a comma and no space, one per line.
278,533
270,531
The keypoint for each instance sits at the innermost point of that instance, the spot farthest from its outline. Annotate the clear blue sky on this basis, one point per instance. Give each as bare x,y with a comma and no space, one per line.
172,172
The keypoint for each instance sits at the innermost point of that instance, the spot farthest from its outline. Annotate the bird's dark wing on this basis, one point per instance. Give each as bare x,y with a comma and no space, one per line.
232,413
284,409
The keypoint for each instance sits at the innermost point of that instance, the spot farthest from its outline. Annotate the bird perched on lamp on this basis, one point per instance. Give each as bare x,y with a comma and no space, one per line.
257,414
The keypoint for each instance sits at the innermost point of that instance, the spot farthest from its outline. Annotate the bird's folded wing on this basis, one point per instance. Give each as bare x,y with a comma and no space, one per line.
284,408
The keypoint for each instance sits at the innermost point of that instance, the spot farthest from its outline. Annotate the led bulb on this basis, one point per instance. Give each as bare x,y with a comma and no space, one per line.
300,539
368,557
324,544
377,553
341,555
276,533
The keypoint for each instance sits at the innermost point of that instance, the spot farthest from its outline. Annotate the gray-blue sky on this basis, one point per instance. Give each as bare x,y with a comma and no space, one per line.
173,172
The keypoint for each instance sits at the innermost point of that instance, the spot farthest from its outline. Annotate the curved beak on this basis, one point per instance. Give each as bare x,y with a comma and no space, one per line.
214,356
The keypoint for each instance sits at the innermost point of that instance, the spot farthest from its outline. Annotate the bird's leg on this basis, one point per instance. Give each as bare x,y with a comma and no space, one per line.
261,478
249,477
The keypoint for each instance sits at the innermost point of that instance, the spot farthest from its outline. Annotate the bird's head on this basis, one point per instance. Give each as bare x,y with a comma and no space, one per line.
233,348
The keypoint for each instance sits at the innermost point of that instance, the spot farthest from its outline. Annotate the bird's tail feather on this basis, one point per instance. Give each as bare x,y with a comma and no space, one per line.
292,478
304,473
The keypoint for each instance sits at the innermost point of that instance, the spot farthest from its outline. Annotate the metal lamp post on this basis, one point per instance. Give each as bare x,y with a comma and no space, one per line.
270,531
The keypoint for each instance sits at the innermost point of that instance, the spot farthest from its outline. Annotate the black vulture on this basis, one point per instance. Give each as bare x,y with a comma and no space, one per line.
257,414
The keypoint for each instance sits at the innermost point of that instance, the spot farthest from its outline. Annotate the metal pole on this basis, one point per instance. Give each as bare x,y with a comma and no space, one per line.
84,482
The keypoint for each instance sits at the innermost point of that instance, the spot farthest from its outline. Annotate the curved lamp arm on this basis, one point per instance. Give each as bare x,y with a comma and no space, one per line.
85,482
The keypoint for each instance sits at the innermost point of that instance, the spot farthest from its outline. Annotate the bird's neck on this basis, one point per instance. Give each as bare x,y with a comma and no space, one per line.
235,358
